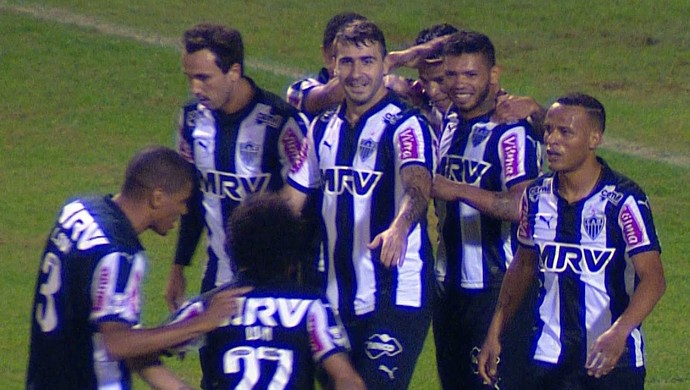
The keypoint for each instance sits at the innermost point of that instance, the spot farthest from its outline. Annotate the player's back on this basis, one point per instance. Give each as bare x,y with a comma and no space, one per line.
279,333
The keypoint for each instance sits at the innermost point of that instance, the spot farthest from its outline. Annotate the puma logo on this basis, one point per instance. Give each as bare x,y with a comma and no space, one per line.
390,372
327,144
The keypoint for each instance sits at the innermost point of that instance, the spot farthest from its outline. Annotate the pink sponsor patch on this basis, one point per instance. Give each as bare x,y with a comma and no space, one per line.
409,147
301,157
632,231
511,156
317,345
103,279
524,232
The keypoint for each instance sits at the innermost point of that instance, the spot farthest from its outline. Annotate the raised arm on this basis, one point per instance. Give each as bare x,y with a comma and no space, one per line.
416,182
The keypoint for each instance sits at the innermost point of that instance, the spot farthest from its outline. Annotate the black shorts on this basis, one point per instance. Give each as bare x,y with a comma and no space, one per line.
461,320
387,343
546,376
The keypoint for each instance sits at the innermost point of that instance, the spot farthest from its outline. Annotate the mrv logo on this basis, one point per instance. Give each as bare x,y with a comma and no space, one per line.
235,187
463,170
382,344
581,260
356,182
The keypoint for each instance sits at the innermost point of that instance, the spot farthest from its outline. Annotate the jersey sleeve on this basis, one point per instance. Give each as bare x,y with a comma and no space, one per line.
519,155
326,334
525,227
637,226
298,91
290,142
413,143
304,174
116,288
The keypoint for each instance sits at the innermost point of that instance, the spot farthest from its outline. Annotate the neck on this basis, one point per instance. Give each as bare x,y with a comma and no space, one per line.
578,184
133,211
241,97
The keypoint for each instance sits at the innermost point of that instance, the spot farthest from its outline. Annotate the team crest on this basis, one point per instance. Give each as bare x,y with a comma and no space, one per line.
594,224
367,148
249,152
479,134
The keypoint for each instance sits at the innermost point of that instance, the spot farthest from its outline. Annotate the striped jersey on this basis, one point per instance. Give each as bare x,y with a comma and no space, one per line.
357,167
475,248
90,273
297,92
235,155
586,273
279,335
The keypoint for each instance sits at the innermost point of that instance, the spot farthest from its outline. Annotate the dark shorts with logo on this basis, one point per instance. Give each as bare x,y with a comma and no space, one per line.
387,343
461,319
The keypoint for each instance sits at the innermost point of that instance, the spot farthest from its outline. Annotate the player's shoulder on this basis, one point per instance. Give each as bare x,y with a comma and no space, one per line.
622,183
542,185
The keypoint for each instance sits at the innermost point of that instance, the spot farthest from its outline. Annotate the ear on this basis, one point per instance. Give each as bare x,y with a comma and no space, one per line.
235,72
595,138
495,75
156,198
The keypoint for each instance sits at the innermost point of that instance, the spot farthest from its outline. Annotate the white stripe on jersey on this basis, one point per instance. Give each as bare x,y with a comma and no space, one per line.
549,341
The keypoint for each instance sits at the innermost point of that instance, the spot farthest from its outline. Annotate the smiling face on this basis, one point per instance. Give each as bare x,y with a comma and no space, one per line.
207,82
470,83
359,69
571,137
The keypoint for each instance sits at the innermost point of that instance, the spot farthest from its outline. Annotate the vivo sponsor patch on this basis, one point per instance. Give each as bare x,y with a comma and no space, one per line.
409,147
317,346
301,156
102,289
382,344
292,145
511,157
524,231
632,227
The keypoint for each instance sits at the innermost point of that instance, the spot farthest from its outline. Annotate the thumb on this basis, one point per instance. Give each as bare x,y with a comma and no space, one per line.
375,242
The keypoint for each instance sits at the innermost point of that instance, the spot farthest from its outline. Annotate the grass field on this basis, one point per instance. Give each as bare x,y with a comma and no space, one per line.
85,84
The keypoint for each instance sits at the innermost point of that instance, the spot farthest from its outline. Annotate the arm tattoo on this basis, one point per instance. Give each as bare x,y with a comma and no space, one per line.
417,184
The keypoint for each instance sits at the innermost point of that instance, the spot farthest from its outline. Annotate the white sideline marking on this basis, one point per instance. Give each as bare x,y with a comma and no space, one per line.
67,17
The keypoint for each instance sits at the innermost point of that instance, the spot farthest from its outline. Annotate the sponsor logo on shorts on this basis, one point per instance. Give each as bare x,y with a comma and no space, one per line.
382,344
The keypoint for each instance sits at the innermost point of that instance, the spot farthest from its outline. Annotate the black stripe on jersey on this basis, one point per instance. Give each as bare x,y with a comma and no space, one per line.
345,271
124,270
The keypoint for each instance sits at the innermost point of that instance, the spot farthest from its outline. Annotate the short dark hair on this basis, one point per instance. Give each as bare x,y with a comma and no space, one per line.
361,33
265,238
470,42
433,32
336,23
224,42
592,106
156,167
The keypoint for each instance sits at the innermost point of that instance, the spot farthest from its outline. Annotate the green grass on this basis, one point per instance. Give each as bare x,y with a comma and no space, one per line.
76,102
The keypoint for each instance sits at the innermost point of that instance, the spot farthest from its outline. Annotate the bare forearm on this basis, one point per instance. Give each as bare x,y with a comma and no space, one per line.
517,281
157,376
123,342
323,97
417,184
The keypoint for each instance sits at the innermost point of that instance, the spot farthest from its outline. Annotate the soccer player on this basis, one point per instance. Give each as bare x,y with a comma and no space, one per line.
372,158
88,290
240,138
587,232
316,95
281,329
484,167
